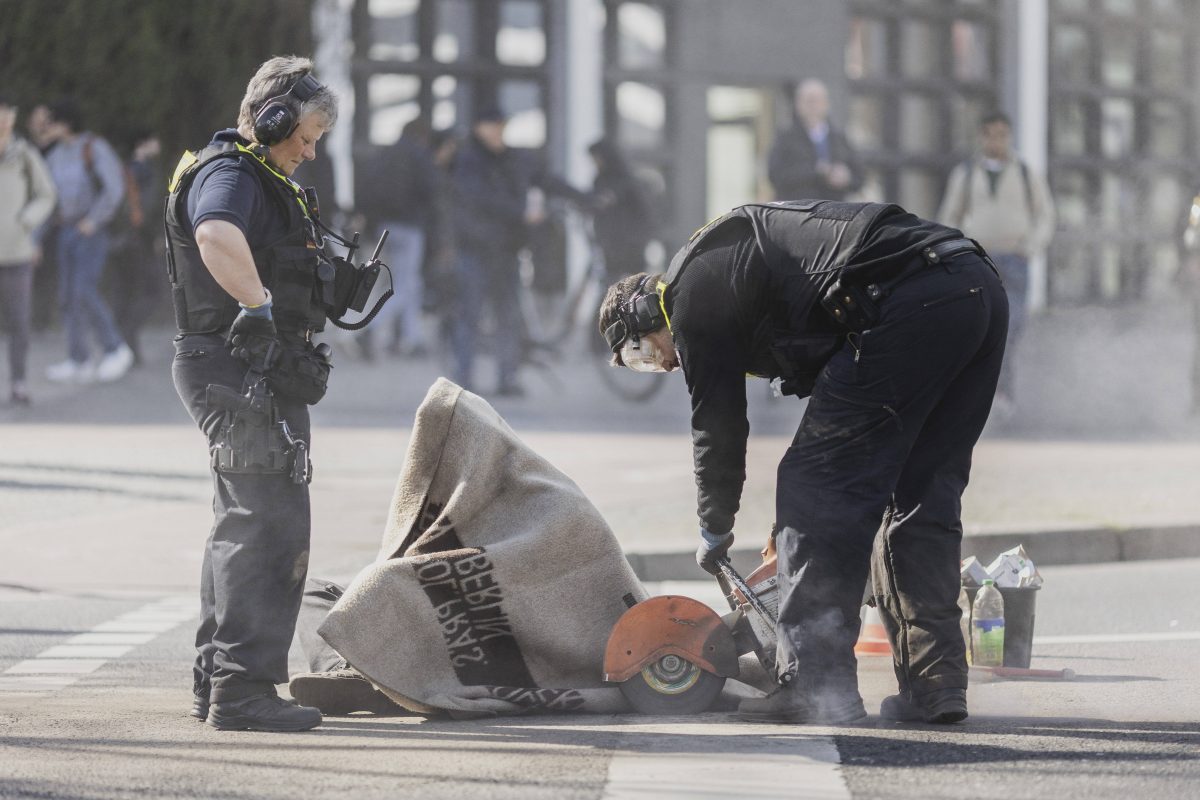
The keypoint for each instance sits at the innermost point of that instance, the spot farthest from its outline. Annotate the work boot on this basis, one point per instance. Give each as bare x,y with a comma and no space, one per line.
199,708
788,705
262,712
340,692
941,707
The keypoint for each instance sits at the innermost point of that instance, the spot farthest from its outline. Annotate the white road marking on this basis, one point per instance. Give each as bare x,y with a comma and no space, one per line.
721,760
102,651
111,638
35,683
63,664
1117,638
133,626
52,666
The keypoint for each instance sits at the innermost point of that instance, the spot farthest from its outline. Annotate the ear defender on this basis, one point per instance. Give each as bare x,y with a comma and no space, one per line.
280,115
641,315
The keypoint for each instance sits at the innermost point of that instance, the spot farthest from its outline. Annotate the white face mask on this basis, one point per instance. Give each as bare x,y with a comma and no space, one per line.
641,358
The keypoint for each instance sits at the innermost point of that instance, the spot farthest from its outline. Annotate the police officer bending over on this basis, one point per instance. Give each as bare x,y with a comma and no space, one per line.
251,285
895,327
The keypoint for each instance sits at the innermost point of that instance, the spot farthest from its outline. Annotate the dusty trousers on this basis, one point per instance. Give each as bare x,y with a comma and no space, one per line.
888,432
256,557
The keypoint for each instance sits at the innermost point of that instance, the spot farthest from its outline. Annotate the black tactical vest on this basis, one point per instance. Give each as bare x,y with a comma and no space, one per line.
288,267
805,244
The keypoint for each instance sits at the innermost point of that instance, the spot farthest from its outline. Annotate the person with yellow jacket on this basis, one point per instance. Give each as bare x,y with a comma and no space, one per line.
996,199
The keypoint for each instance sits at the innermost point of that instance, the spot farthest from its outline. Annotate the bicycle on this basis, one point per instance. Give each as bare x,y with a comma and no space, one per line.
552,319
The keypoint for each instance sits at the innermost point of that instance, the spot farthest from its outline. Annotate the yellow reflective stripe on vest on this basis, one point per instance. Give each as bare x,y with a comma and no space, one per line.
661,289
185,163
291,184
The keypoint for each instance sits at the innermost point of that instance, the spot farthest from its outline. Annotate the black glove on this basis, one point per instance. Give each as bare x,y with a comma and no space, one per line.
254,340
713,547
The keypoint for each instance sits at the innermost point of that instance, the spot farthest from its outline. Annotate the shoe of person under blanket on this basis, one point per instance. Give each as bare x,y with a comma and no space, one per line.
941,707
790,706
262,712
340,692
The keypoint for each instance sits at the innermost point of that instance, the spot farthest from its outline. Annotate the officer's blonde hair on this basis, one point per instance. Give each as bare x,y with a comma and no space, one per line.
273,79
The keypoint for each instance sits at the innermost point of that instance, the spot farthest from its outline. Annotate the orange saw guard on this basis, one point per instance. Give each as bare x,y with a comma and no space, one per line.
669,625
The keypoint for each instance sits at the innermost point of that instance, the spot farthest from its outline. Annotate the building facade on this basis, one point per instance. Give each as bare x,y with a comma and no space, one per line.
1102,94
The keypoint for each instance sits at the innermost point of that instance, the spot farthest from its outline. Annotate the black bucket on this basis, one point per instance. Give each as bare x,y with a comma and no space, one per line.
1020,604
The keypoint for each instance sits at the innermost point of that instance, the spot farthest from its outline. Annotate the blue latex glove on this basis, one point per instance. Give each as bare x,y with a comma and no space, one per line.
713,547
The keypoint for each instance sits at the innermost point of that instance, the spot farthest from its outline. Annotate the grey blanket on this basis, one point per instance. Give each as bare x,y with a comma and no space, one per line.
497,582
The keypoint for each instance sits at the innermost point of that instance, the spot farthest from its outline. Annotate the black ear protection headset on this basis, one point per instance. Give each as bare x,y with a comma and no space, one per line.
641,314
278,117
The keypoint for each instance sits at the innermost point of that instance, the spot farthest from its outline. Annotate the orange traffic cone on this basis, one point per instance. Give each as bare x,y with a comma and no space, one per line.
872,639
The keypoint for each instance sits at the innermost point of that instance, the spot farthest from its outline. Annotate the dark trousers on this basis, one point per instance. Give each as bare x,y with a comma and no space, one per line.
487,280
256,558
890,426
16,307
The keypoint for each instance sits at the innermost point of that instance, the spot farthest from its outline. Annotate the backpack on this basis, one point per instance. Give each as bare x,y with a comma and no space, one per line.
131,203
970,164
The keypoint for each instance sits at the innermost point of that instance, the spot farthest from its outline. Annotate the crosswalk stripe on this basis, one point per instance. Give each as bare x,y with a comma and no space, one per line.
685,761
61,665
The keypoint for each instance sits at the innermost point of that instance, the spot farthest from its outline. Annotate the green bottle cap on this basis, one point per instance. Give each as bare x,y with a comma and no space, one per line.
989,582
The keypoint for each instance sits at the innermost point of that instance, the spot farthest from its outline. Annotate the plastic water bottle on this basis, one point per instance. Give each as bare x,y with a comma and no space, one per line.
987,626
964,606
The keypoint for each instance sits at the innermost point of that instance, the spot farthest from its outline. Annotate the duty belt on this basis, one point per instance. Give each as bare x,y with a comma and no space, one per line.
857,307
930,256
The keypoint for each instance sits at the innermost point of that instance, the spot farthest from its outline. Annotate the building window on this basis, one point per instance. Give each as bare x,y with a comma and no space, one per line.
922,74
1122,128
639,92
448,60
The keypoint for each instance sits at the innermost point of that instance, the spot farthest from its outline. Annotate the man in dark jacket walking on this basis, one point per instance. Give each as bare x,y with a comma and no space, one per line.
896,327
490,184
814,159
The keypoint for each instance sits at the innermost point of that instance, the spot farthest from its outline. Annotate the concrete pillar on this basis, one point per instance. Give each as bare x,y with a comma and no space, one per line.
1032,112
583,104
333,50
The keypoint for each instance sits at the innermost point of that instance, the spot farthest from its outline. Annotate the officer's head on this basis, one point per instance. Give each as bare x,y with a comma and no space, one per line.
634,325
995,135
272,86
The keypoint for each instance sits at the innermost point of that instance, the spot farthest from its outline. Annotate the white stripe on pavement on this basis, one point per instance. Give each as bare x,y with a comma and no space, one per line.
722,760
102,651
1117,638
63,664
52,666
35,683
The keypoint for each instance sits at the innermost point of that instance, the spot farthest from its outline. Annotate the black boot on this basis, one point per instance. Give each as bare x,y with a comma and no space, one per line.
262,712
941,706
789,705
199,707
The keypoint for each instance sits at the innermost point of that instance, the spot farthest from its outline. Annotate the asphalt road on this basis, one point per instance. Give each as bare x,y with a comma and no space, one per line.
94,688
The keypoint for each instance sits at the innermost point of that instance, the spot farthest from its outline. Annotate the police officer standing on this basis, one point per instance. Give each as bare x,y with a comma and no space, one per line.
895,327
250,287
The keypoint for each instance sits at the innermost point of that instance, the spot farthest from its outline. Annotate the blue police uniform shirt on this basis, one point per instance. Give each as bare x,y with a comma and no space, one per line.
231,189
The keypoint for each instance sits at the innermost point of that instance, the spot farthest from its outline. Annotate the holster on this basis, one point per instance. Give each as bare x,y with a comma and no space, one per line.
253,439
